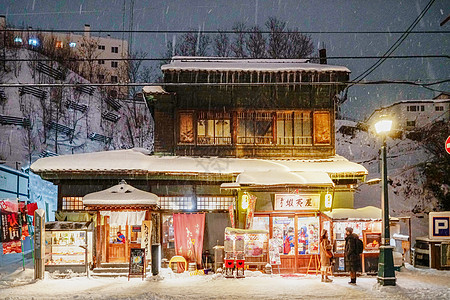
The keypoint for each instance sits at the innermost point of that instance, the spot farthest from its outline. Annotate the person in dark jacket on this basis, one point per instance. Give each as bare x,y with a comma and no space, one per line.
351,256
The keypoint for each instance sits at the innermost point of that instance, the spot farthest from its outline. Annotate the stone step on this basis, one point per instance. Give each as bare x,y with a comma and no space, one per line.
115,265
110,270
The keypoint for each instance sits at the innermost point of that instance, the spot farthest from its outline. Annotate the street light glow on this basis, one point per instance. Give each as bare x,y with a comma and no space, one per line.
383,126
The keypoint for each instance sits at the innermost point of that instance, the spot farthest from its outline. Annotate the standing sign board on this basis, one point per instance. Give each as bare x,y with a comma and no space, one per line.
137,263
146,237
274,252
439,225
39,243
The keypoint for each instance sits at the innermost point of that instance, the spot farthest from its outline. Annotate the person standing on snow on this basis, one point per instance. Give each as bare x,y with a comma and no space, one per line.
351,256
325,256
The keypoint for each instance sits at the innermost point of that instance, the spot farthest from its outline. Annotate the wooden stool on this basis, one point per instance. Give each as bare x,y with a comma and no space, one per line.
177,259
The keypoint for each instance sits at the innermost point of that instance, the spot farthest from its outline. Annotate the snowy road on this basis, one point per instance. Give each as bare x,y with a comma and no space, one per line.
411,284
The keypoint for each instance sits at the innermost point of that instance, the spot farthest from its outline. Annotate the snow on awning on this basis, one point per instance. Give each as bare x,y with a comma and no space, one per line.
274,178
60,225
184,63
138,161
122,194
154,90
364,213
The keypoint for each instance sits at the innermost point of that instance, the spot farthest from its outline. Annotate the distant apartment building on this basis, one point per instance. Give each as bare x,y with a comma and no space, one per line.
409,115
104,56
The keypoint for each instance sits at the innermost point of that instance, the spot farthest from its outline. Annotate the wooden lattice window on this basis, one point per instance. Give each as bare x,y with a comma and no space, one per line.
214,202
213,128
72,203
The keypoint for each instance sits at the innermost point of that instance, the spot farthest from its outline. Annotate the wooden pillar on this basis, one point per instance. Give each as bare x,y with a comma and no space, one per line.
98,244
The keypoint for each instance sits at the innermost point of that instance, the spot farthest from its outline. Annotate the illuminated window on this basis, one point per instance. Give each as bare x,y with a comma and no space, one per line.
186,128
72,203
294,128
59,44
33,42
322,127
176,203
411,123
18,40
255,128
72,45
213,202
213,128
302,128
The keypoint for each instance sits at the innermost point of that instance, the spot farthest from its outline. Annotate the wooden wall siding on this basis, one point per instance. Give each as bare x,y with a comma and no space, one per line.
261,151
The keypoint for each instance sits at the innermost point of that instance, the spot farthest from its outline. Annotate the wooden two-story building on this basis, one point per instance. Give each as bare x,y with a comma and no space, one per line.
226,130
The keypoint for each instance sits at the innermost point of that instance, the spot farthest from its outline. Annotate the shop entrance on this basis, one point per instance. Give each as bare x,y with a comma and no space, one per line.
297,237
118,234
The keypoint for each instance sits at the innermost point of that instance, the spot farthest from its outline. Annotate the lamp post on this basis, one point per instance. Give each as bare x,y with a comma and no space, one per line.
386,272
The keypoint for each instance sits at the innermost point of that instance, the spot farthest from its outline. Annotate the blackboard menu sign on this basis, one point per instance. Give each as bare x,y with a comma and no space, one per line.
137,262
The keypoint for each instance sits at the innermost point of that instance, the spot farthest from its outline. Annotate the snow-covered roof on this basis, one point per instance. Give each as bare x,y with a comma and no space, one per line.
139,161
364,213
186,63
154,89
275,177
121,194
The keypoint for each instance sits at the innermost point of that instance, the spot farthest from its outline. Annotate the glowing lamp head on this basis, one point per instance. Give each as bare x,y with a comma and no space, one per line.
244,202
72,45
18,40
383,126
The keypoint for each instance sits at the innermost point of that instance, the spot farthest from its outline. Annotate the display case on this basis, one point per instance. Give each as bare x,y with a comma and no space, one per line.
68,246
255,245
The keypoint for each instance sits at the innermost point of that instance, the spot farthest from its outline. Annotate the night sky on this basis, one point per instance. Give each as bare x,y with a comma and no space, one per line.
374,15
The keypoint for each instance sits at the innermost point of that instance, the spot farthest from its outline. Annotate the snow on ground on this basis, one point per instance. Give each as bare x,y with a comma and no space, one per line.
412,283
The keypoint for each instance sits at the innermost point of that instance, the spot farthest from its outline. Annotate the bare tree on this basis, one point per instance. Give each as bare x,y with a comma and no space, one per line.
222,47
238,45
256,43
287,43
277,43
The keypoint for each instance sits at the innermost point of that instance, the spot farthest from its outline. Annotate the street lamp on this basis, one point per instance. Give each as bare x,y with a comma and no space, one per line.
386,272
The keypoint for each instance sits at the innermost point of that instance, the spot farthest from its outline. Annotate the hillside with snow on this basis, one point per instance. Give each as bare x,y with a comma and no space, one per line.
42,121
407,196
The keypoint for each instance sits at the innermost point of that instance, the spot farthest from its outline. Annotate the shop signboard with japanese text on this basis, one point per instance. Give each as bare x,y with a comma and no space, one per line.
297,201
439,225
146,236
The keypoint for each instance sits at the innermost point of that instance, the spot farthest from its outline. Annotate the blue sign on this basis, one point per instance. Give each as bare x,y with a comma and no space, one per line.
441,226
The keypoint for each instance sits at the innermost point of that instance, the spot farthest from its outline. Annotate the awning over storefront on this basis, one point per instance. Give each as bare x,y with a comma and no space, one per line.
68,226
364,213
277,178
121,195
141,162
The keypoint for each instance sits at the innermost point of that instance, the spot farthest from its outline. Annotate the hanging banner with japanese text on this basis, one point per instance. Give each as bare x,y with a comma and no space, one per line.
10,228
297,201
189,231
250,211
231,214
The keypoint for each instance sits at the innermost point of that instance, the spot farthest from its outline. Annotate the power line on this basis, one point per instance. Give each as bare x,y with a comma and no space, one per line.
395,45
218,31
219,58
